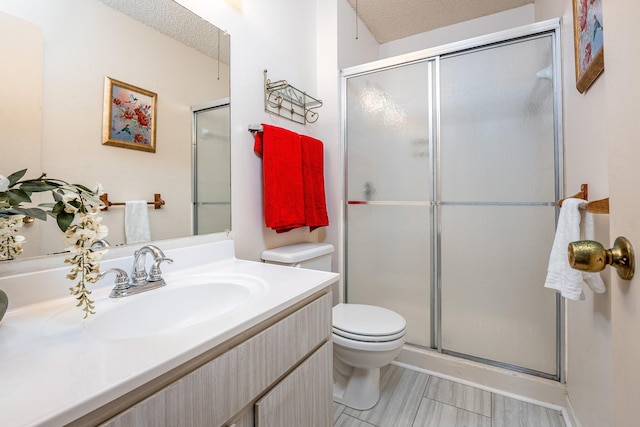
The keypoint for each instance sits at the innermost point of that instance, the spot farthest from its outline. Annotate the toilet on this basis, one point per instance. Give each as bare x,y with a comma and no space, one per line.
365,337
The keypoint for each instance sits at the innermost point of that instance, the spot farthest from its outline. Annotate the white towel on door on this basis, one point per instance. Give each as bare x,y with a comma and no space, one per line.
560,275
593,280
136,221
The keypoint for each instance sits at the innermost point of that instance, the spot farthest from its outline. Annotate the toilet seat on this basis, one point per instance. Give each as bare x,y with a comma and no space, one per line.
367,323
368,346
368,338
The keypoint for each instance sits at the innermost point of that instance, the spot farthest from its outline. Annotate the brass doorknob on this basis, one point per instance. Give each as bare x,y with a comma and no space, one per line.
587,255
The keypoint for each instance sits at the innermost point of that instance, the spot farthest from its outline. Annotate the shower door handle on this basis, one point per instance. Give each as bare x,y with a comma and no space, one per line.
368,190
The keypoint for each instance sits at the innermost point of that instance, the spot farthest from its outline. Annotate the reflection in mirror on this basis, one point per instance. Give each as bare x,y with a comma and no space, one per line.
53,122
212,168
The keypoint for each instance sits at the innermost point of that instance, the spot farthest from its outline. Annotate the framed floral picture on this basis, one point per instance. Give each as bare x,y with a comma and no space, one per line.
129,116
588,42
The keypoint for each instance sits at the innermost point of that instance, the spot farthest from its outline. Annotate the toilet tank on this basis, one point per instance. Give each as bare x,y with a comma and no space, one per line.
313,256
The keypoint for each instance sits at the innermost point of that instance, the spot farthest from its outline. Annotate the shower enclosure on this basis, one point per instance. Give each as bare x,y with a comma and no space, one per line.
211,168
452,169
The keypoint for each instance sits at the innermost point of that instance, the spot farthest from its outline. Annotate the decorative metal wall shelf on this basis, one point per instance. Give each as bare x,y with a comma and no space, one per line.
284,100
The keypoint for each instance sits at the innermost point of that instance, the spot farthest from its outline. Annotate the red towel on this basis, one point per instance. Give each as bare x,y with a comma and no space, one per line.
282,174
257,143
315,207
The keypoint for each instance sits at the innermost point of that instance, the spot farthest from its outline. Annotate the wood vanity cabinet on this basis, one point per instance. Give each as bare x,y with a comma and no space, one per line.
274,376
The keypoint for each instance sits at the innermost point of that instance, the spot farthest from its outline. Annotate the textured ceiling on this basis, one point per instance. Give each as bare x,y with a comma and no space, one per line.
177,22
390,20
387,20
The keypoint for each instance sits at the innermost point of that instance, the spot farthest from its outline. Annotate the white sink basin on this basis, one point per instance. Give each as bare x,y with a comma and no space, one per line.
181,303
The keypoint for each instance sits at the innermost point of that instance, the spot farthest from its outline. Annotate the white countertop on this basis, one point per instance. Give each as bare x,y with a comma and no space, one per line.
53,371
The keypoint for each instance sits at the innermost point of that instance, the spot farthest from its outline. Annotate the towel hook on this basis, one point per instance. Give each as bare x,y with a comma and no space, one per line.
582,194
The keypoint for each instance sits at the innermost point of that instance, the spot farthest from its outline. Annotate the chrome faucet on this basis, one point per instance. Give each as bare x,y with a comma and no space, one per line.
139,275
100,244
122,284
140,281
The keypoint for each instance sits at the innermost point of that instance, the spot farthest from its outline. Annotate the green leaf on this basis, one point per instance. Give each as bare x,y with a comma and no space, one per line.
64,220
15,177
18,195
37,186
83,188
35,213
58,207
56,196
52,183
7,213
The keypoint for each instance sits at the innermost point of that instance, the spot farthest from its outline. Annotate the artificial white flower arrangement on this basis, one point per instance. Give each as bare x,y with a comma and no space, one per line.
75,209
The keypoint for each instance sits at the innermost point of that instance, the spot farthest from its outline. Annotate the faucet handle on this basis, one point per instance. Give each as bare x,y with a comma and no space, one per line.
100,244
122,279
155,274
139,275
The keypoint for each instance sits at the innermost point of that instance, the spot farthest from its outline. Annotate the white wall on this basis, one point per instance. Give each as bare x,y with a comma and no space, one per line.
589,329
351,50
280,36
327,57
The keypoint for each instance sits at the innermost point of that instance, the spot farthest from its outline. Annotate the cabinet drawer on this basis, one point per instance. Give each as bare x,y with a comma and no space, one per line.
302,398
216,391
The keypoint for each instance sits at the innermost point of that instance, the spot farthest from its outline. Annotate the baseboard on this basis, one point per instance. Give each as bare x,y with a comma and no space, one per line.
569,415
539,391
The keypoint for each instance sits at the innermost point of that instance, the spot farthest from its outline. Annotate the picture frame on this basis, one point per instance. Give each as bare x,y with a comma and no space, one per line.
588,42
129,117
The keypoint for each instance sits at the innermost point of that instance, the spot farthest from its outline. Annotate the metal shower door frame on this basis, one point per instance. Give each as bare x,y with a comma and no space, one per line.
545,28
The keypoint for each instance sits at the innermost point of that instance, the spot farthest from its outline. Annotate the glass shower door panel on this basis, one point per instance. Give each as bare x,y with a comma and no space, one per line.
388,135
389,263
212,169
389,191
493,267
497,194
497,124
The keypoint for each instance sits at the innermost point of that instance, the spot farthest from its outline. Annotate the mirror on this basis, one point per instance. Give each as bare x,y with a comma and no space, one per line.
212,185
61,53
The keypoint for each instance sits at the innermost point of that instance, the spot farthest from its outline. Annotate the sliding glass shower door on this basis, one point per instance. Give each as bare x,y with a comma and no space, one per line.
452,172
497,195
389,188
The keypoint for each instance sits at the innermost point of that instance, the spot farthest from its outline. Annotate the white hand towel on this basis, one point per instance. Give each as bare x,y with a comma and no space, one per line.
593,280
136,221
560,276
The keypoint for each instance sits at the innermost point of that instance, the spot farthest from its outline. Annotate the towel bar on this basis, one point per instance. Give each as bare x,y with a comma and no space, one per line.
582,194
157,201
597,206
255,128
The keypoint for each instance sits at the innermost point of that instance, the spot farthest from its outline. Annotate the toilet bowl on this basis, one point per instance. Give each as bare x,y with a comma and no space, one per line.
365,337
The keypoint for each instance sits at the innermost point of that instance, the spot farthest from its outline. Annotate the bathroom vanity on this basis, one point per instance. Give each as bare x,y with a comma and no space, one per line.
264,358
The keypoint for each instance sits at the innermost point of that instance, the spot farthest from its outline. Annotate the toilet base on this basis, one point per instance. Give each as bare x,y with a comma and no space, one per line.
359,390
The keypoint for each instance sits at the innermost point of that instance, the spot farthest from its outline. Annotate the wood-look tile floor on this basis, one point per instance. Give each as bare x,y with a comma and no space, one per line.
413,399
